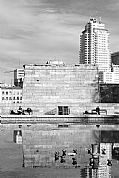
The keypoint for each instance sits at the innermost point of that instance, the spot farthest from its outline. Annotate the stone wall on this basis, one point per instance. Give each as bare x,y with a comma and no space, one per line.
48,86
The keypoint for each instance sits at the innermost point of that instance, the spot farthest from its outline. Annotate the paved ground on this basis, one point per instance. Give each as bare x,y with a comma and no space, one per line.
11,163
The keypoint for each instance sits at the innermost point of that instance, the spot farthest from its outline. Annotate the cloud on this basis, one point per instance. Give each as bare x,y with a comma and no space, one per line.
35,30
28,32
113,6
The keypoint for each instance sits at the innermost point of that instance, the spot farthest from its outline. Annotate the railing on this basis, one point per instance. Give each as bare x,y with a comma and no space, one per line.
97,119
102,111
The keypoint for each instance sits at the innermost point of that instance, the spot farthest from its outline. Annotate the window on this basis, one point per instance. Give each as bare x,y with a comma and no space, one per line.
17,98
63,110
10,98
2,98
63,126
2,92
14,98
6,98
20,98
6,92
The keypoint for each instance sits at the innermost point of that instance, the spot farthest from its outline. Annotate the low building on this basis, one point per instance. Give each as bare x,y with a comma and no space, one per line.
112,76
18,77
11,95
109,93
115,58
59,88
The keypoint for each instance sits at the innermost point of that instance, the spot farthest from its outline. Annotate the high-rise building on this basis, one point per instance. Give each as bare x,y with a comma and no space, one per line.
94,45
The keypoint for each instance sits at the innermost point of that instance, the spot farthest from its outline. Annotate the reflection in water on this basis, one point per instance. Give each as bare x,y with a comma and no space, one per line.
72,148
94,173
100,162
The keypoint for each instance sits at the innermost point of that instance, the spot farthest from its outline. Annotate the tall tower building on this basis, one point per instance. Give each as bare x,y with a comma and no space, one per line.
94,45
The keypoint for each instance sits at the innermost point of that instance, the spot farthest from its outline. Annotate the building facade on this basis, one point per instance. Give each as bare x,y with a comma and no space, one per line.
58,88
115,58
109,93
94,45
18,77
10,95
112,76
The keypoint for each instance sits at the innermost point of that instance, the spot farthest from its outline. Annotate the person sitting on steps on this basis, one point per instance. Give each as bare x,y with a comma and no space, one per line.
20,110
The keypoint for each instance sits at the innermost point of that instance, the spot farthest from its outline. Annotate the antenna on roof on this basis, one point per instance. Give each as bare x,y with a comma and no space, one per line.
19,63
100,20
11,82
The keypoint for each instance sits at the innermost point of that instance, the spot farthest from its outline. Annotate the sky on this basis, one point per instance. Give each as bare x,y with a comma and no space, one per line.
34,31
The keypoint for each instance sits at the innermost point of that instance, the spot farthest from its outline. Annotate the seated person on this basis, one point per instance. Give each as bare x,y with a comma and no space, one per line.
20,110
29,110
86,112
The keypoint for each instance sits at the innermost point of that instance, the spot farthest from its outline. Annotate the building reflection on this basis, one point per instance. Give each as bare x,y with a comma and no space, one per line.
100,162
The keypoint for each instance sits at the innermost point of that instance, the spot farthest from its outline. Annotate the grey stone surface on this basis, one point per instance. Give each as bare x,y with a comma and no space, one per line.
47,87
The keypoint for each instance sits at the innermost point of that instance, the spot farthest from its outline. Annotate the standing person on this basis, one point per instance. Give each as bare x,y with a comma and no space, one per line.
98,110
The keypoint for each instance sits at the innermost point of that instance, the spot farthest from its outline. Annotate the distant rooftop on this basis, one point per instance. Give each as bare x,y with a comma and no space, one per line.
55,62
10,87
